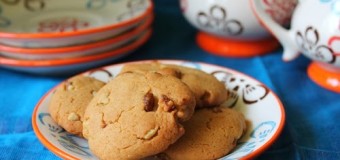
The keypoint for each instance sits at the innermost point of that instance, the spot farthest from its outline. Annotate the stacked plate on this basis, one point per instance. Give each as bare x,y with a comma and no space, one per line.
66,37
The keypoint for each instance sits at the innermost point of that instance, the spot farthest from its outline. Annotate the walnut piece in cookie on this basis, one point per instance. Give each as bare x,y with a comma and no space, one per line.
68,102
137,122
209,92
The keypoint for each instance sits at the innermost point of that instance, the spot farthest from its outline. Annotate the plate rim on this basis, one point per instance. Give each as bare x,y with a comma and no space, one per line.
93,30
79,60
251,155
74,48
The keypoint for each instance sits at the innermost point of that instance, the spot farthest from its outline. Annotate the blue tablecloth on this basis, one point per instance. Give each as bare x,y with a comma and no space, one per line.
312,129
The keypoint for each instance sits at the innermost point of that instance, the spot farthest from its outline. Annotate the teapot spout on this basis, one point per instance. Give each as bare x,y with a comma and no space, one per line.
290,48
289,54
285,37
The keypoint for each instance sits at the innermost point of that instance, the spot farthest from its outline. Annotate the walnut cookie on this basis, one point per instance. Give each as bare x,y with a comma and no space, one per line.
209,92
137,115
69,101
209,134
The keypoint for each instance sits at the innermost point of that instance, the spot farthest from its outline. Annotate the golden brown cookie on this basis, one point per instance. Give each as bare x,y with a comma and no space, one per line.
69,100
209,92
209,134
137,115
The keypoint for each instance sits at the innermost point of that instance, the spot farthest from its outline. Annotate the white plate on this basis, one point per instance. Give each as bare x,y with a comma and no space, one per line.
71,66
257,102
87,49
43,23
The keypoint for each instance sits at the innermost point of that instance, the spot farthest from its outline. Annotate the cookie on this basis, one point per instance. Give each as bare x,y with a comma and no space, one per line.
209,92
69,101
137,115
209,134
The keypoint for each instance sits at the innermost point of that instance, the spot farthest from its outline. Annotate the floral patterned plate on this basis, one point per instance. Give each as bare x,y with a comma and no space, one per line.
45,23
257,102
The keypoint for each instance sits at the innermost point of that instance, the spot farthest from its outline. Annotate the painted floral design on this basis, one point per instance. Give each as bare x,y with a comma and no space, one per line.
262,131
254,93
308,41
333,43
257,137
250,93
68,141
63,24
232,99
134,7
4,22
31,5
217,19
335,5
98,4
280,10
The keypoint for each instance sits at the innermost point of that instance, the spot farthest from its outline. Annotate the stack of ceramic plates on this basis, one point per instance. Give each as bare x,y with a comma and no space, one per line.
66,37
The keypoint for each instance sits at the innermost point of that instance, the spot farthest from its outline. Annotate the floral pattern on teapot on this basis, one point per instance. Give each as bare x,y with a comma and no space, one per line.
314,32
334,43
308,41
217,19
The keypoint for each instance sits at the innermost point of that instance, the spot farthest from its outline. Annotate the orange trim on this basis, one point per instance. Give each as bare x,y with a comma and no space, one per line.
276,135
235,48
325,78
81,47
76,60
252,155
42,138
81,32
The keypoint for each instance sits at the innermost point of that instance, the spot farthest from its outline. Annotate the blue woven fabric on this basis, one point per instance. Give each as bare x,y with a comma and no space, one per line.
312,129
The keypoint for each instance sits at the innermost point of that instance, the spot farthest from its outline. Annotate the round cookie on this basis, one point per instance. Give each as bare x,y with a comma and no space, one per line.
209,134
209,92
137,115
69,101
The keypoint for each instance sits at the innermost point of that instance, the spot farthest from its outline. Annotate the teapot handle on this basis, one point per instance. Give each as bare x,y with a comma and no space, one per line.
286,37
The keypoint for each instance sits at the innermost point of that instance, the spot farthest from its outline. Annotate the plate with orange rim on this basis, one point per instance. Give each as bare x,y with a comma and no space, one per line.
45,24
70,66
260,106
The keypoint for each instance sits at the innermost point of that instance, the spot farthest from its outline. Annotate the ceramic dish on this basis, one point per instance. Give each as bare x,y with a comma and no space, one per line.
75,51
230,28
72,65
61,23
257,102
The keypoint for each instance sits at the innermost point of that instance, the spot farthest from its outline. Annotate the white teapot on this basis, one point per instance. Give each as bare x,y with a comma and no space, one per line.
230,28
314,32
